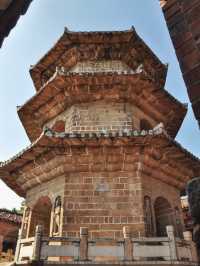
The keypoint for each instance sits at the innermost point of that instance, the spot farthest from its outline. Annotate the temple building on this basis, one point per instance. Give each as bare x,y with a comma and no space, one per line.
103,154
10,222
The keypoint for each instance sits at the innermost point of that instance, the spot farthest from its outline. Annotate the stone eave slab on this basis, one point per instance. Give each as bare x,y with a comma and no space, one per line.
50,139
61,84
69,38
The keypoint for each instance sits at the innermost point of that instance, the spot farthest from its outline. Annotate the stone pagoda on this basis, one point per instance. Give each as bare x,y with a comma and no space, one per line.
103,154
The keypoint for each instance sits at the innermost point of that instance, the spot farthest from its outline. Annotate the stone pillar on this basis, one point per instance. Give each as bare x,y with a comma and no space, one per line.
37,243
188,237
128,245
83,243
26,220
29,223
194,252
172,242
17,251
1,243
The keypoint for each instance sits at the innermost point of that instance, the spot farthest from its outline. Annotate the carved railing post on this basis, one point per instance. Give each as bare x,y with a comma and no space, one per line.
83,243
37,243
172,242
128,245
17,251
188,237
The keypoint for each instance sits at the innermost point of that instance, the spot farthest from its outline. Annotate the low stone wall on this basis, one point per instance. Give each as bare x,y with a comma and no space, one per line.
103,250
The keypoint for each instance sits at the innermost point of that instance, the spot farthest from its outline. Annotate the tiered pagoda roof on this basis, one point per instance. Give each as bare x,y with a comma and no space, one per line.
59,87
66,89
73,47
58,90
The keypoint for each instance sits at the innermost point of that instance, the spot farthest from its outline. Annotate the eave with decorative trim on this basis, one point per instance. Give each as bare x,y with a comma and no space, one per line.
23,171
65,89
74,47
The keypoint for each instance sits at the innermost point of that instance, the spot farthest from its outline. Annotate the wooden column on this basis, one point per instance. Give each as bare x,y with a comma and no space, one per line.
128,245
37,243
172,242
83,243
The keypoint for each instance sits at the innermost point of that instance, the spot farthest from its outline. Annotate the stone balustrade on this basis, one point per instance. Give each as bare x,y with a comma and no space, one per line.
162,250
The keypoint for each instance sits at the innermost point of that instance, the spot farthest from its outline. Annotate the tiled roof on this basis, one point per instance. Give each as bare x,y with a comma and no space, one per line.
10,11
49,136
50,139
10,216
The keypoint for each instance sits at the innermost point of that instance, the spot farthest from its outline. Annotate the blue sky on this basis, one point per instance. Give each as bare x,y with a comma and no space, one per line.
37,32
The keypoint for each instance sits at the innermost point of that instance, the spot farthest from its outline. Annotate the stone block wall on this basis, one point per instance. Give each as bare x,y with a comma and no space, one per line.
154,189
8,232
101,117
100,188
104,200
103,188
50,189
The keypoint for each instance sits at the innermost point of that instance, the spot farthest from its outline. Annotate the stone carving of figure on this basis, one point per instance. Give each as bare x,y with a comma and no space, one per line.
148,216
57,215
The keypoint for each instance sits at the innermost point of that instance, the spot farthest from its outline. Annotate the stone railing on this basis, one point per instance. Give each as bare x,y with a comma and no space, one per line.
157,249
